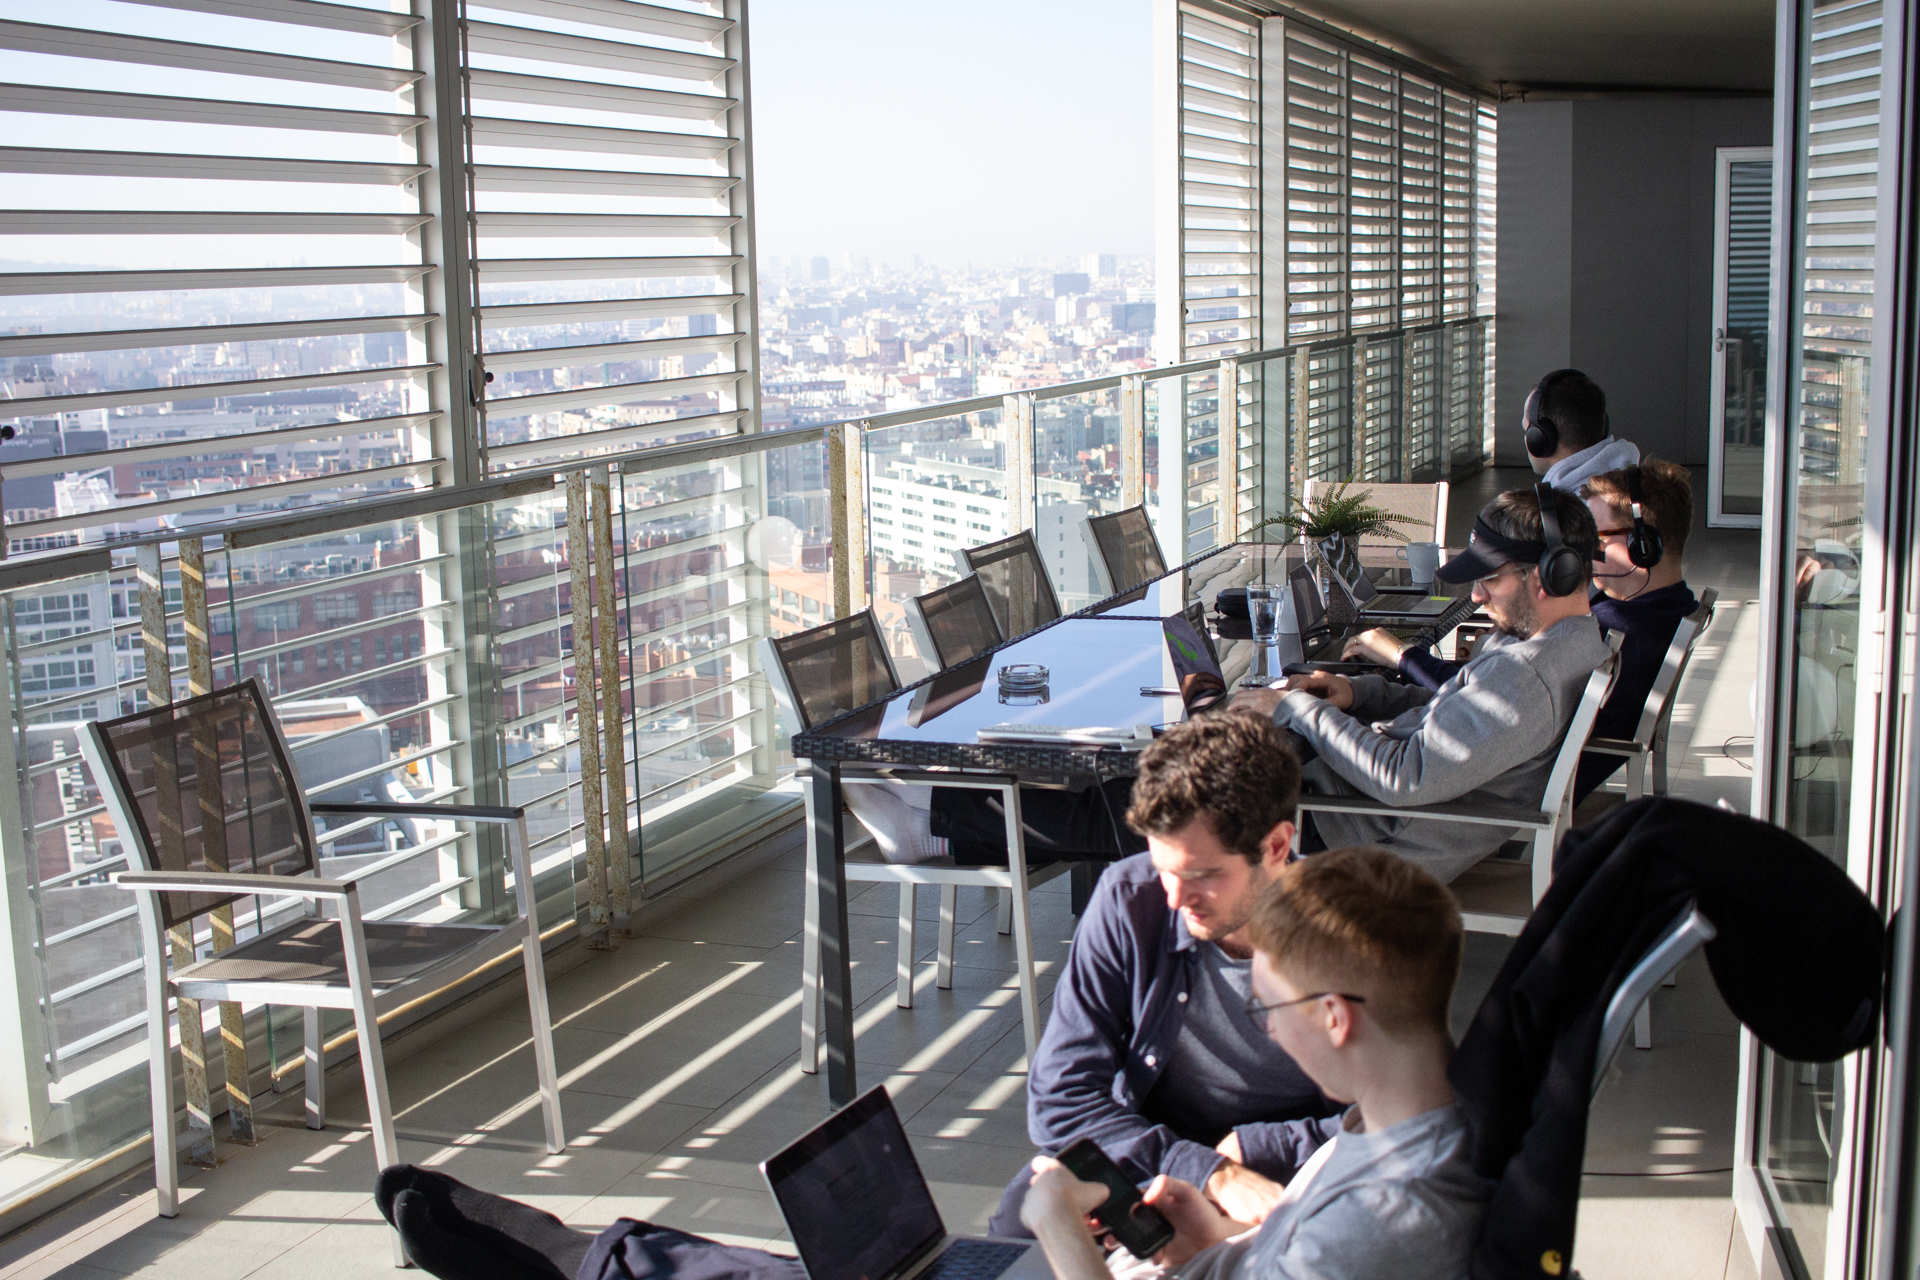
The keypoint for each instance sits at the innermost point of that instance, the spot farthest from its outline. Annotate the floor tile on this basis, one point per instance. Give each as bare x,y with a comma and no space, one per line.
945,1030
589,1120
1669,1109
978,1106
759,909
359,1250
968,1178
1664,1232
728,1146
981,945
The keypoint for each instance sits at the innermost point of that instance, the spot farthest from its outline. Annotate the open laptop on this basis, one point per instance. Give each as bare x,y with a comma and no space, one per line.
1319,642
1309,611
858,1207
1373,605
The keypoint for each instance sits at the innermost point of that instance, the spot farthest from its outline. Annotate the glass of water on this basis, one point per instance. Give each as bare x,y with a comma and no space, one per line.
1263,611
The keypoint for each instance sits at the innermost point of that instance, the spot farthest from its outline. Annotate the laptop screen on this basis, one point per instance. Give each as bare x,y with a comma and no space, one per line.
853,1195
1308,608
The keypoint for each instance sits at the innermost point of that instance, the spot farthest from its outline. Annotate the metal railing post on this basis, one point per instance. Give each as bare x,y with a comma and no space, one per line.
1360,438
1405,402
30,1061
1226,518
585,708
1133,440
193,1046
213,828
1302,421
847,497
1017,418
605,628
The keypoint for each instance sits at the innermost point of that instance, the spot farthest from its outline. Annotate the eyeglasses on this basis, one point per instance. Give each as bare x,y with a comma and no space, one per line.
1259,1012
1487,580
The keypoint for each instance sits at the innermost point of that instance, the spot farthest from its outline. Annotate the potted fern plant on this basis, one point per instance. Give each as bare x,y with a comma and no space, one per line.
1333,523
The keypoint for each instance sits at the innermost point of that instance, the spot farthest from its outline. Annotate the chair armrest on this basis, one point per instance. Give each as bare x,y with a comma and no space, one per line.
1616,746
401,809
1487,815
230,882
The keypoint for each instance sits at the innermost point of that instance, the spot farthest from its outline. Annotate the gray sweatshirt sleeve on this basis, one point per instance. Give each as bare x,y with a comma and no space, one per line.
1476,731
1375,698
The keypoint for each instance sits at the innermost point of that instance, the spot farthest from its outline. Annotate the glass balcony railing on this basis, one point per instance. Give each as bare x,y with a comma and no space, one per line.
580,640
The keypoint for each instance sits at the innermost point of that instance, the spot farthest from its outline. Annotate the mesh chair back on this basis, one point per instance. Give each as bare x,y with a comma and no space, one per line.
1424,505
836,667
959,621
1128,548
1592,698
1658,711
1016,583
208,783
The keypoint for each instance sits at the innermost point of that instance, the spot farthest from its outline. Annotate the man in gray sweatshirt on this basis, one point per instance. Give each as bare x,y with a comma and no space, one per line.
1568,434
1487,736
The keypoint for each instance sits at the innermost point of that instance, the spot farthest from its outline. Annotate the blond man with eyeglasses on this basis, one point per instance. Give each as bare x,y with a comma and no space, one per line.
1355,954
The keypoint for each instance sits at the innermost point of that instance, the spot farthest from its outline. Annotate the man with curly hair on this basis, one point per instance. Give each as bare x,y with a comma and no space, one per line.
1147,1051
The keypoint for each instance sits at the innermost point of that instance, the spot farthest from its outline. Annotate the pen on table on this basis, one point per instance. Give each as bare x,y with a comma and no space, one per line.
1148,691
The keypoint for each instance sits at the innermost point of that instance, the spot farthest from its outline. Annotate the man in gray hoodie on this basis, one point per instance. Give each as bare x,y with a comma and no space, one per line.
1568,434
1486,736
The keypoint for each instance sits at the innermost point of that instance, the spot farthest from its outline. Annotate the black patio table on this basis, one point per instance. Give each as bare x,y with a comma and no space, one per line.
1102,662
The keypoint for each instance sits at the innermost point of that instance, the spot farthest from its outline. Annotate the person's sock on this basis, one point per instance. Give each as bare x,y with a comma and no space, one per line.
445,1254
536,1240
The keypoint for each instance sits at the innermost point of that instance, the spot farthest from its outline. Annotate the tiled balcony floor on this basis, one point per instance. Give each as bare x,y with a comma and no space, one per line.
679,1058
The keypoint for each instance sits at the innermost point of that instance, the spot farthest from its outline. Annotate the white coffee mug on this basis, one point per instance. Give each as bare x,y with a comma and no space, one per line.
1422,558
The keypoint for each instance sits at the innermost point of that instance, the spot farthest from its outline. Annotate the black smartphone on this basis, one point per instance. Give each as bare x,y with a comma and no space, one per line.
1143,1229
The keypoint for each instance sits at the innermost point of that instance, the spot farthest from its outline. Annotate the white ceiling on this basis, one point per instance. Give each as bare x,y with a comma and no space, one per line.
1574,45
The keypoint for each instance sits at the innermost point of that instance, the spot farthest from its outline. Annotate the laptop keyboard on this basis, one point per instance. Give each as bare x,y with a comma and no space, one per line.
973,1260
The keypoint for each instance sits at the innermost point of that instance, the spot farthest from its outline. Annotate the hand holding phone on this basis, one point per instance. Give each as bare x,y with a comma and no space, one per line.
1140,1227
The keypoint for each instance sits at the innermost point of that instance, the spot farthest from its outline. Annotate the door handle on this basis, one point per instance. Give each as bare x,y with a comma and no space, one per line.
1719,340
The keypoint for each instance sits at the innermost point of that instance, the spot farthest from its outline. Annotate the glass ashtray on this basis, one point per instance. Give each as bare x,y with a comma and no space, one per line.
1024,684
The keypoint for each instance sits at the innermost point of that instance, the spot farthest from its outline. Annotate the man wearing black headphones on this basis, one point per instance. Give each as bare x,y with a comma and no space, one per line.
1644,514
1489,734
1568,434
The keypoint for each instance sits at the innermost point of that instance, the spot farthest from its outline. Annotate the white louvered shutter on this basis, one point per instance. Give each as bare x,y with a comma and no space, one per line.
218,295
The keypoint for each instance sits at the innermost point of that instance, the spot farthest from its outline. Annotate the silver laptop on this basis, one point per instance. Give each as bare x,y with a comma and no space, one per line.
858,1207
1371,604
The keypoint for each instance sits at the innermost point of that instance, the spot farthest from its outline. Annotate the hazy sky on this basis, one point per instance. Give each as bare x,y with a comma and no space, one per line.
990,129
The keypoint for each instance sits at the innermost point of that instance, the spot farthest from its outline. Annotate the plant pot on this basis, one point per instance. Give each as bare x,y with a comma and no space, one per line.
1342,555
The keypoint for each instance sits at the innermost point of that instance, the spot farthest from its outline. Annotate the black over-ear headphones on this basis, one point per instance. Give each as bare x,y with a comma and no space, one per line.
1644,544
1543,433
1562,572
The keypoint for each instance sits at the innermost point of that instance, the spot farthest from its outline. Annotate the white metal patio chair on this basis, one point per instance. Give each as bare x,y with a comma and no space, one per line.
1493,899
1648,746
953,623
1124,549
1689,932
826,672
1016,581
210,810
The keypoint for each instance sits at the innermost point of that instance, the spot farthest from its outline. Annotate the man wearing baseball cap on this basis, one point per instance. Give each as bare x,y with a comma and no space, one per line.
1486,736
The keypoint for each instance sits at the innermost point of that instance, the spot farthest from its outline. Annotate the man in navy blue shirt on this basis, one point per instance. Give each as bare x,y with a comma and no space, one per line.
1644,601
1148,1050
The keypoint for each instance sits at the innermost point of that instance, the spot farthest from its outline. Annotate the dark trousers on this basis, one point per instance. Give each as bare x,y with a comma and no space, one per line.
1057,826
630,1250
